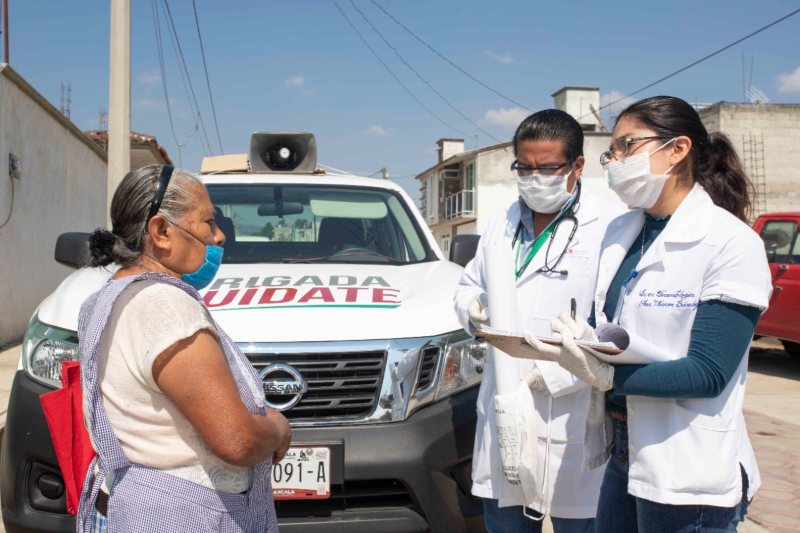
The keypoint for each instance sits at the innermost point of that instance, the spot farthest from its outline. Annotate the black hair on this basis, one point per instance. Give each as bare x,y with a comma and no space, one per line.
712,162
124,244
551,125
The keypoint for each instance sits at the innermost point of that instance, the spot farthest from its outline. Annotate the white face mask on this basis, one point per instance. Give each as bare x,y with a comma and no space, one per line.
632,181
544,194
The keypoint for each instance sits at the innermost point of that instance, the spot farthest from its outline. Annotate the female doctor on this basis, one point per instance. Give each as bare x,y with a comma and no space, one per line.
553,230
685,272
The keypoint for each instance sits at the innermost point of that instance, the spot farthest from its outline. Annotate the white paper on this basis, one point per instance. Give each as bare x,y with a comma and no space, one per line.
554,340
635,349
501,291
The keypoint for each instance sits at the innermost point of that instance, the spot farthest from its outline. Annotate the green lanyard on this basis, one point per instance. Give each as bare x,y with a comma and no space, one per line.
535,247
539,241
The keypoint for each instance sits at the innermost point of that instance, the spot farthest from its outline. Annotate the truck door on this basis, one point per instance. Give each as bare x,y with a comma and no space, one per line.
783,251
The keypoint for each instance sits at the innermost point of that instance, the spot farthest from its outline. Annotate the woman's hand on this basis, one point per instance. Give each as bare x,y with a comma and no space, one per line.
282,428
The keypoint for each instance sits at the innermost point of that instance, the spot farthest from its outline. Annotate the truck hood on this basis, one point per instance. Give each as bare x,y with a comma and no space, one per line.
304,302
324,302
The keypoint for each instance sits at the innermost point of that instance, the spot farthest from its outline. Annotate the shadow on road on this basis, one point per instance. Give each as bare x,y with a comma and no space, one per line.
772,360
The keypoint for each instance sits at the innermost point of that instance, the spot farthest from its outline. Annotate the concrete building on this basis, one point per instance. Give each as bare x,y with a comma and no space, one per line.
52,179
767,137
463,189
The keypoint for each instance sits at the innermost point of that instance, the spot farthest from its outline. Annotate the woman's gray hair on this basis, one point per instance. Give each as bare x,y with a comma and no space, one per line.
130,205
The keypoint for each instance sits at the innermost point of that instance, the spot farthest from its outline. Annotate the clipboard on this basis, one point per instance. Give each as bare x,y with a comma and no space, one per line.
515,345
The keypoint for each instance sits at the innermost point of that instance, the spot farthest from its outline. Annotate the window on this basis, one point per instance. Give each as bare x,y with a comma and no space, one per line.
268,223
469,188
796,250
780,238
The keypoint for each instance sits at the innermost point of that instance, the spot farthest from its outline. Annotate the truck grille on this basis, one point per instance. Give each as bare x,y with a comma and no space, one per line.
427,366
340,385
352,495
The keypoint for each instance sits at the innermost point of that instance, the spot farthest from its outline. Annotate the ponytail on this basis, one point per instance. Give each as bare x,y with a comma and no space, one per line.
106,248
713,160
721,174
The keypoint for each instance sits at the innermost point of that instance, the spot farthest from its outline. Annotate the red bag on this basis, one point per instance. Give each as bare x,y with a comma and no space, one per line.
63,411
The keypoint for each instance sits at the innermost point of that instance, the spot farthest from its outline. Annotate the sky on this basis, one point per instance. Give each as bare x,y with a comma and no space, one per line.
299,66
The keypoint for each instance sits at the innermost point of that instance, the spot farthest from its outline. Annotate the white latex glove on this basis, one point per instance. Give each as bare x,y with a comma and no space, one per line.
543,350
533,377
582,364
479,310
579,327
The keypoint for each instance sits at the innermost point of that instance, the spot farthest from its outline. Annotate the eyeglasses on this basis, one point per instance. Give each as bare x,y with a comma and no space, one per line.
619,148
525,171
161,189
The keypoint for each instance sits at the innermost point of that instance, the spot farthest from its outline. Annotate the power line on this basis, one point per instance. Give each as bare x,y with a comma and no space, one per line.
709,56
205,69
186,69
160,49
196,127
389,70
435,51
426,82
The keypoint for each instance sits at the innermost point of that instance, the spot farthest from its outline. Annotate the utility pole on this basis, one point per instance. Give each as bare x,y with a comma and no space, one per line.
384,173
5,28
119,95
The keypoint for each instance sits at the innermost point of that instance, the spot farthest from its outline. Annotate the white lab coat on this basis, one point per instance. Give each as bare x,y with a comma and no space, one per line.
563,488
688,450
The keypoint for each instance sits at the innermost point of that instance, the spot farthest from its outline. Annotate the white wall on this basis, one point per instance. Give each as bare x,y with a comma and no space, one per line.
62,188
594,144
777,128
496,186
577,101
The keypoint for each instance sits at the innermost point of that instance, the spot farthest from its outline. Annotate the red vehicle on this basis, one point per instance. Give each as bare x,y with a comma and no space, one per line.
781,235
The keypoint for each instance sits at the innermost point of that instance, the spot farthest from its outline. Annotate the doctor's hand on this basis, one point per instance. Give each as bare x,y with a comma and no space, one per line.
579,328
479,310
533,377
582,364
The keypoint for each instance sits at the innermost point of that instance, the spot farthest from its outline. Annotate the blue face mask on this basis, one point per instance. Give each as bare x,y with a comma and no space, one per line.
202,277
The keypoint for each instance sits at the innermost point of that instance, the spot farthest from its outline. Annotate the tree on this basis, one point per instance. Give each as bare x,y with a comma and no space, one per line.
268,230
302,223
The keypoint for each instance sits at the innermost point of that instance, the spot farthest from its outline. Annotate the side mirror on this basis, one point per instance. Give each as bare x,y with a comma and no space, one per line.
463,248
72,249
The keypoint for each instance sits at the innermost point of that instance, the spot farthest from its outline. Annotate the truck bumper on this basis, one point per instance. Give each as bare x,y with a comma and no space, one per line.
399,477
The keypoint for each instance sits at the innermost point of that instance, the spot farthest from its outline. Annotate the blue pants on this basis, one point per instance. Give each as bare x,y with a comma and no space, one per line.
619,512
511,520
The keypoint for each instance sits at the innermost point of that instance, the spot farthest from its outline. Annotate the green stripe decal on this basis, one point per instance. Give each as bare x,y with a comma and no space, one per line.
278,306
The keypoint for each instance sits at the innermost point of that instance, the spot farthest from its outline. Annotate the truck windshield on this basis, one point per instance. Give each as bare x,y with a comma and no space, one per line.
273,223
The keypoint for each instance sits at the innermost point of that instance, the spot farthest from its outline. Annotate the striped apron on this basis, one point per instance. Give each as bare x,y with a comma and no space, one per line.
145,499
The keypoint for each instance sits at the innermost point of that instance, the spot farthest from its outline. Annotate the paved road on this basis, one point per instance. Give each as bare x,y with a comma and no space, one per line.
773,422
773,418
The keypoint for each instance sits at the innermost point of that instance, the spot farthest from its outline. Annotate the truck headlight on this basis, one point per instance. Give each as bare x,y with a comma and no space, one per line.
462,364
43,350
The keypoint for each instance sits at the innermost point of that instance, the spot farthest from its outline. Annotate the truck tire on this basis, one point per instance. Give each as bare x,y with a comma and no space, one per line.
792,348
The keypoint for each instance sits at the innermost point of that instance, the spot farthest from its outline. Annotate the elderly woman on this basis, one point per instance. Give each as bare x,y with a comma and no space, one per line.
175,411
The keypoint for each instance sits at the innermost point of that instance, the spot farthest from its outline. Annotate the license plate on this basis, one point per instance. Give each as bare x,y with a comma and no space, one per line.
303,474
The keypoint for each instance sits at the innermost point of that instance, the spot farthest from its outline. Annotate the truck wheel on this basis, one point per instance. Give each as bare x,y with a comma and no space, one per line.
792,348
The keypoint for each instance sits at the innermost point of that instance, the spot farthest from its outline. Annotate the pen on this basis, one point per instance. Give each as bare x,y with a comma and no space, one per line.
572,307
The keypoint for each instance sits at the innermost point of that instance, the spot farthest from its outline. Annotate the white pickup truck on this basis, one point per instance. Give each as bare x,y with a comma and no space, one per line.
337,292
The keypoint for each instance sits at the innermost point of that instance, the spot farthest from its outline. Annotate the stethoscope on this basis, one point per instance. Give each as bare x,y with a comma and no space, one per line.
567,215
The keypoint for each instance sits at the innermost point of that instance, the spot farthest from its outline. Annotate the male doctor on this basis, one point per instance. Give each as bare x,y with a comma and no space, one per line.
553,230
